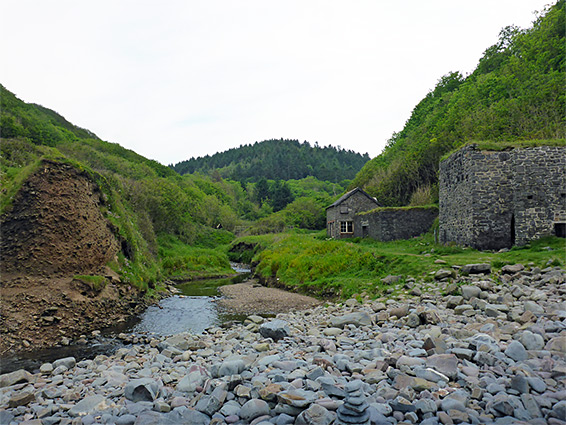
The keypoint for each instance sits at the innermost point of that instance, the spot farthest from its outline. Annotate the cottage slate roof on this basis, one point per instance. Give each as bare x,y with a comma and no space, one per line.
350,193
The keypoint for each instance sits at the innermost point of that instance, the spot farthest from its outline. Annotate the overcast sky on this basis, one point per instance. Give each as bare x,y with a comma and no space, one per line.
172,79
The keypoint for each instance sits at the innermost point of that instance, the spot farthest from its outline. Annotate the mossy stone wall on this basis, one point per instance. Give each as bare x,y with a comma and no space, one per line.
393,224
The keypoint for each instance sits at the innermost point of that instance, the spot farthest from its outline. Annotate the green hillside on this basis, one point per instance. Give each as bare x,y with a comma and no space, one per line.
156,212
278,160
516,93
168,224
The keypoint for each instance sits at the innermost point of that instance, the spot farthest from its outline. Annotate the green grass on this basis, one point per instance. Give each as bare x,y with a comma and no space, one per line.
96,283
182,261
310,263
501,146
207,237
497,146
403,208
12,179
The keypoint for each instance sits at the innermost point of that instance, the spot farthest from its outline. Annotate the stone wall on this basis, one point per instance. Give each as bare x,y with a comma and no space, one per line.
388,224
539,192
456,197
475,196
494,200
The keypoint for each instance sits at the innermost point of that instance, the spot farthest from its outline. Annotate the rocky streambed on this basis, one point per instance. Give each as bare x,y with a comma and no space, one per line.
477,349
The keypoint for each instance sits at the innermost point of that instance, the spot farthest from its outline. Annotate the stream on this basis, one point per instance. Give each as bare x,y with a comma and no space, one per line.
193,310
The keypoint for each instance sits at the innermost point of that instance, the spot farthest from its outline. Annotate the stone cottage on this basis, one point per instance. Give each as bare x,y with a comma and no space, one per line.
494,200
340,215
358,215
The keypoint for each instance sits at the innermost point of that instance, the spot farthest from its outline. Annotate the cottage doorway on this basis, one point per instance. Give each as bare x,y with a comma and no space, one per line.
512,229
560,230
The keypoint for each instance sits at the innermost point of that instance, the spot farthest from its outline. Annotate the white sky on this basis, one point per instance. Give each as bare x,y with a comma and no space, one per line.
172,79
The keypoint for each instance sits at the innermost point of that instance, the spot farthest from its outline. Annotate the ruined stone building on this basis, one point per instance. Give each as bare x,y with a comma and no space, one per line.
357,214
494,200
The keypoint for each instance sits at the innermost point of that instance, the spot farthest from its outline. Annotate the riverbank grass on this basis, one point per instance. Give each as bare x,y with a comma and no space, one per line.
96,283
186,262
313,264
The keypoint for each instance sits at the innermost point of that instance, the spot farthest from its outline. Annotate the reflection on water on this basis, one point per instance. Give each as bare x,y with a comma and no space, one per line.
178,314
31,361
193,310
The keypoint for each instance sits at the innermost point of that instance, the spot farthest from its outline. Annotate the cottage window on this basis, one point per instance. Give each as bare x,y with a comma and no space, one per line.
346,227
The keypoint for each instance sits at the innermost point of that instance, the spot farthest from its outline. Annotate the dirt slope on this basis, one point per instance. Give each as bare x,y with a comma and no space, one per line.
40,312
54,232
56,226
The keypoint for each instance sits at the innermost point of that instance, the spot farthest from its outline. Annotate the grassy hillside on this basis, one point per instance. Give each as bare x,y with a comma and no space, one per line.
147,201
515,94
278,160
169,225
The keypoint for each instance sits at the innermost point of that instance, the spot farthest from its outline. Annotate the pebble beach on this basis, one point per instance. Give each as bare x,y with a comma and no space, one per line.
479,348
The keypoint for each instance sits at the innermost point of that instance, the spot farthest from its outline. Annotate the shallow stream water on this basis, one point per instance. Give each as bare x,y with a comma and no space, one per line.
193,309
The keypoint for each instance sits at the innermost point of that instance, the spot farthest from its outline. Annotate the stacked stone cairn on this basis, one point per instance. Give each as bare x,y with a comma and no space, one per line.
354,409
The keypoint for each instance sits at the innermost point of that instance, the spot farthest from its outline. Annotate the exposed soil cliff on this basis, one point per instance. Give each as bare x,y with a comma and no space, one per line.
54,232
56,226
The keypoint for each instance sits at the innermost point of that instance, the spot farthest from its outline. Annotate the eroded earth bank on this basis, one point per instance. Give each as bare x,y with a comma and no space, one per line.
54,234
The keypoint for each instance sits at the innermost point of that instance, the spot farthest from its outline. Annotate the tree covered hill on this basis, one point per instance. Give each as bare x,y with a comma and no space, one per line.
281,159
516,93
